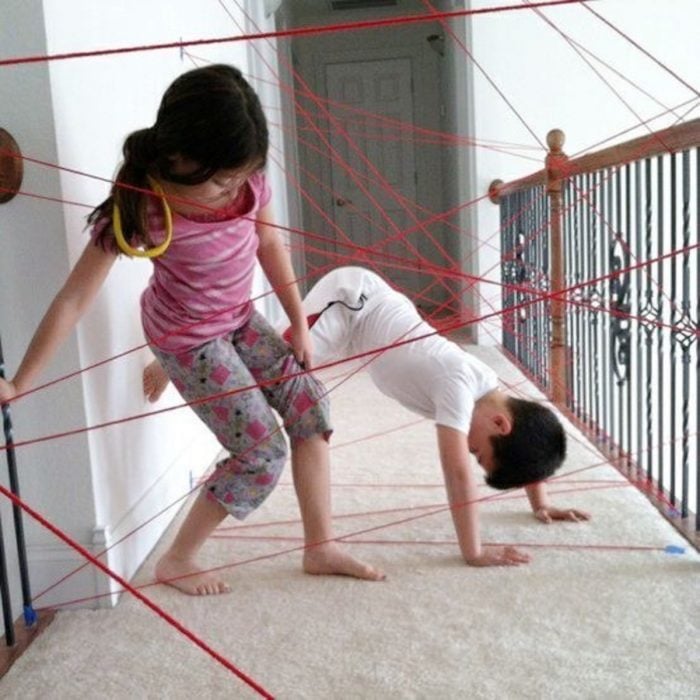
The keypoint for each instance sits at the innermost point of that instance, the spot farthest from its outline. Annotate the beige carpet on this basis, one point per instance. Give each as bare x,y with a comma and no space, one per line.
589,617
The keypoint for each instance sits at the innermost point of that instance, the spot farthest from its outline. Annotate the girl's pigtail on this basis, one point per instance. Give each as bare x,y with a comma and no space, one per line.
140,157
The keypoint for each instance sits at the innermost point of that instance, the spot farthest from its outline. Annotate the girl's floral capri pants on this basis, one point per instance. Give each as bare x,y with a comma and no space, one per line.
230,369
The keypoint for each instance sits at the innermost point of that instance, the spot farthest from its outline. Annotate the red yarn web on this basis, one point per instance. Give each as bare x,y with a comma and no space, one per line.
318,118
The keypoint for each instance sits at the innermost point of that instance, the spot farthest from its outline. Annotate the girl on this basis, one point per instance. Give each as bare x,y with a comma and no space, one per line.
208,223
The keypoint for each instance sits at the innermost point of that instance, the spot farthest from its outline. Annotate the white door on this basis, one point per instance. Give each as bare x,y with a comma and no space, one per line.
373,181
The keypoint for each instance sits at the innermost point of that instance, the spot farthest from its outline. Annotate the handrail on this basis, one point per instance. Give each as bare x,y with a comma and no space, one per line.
669,140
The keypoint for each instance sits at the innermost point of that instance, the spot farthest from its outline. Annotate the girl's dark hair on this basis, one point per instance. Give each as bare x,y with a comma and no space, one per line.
210,116
532,451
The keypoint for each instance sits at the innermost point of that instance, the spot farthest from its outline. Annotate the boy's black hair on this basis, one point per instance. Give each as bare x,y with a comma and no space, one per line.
532,451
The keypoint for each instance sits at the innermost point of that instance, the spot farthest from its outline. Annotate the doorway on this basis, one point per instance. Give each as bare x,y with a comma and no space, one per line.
373,165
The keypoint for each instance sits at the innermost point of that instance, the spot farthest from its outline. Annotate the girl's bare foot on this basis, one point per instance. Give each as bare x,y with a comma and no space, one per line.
187,577
329,559
154,381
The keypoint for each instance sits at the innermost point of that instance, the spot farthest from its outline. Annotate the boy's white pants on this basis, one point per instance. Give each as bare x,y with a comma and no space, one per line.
342,297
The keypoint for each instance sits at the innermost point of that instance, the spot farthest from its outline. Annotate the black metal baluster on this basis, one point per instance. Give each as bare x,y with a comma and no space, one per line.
514,295
538,355
590,313
586,296
516,201
674,320
641,457
530,238
636,416
528,313
545,286
569,277
647,314
533,235
5,597
686,337
530,271
535,276
617,333
596,300
512,228
697,344
541,284
568,199
580,295
519,315
28,611
528,274
659,329
615,224
506,266
626,414
619,324
606,204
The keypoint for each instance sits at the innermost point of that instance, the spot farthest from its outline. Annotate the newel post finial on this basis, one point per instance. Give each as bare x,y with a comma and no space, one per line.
556,160
494,192
555,140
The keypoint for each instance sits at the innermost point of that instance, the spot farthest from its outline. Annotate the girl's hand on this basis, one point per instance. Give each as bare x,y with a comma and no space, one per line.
301,345
8,391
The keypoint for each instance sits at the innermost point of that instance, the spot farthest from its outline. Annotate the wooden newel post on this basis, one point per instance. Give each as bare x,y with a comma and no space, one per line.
555,167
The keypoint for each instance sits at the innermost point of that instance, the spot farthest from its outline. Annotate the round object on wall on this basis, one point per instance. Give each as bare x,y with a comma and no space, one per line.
11,167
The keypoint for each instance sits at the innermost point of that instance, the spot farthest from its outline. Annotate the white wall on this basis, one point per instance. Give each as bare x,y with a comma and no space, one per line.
101,485
55,477
551,86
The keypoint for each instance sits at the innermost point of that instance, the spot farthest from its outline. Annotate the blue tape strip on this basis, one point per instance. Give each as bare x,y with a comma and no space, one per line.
674,549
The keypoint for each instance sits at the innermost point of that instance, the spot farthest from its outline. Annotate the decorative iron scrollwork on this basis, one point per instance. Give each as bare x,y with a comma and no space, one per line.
521,276
620,308
595,303
685,332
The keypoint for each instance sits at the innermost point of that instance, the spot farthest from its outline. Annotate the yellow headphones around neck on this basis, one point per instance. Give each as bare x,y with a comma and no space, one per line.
154,252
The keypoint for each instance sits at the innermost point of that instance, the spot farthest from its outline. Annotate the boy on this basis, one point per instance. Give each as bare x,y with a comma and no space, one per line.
353,311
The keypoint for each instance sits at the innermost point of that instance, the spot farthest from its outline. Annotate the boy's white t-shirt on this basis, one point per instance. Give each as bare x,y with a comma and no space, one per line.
432,376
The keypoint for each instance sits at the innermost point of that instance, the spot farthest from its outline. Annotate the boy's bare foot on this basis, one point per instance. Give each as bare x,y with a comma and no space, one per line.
329,559
187,577
154,381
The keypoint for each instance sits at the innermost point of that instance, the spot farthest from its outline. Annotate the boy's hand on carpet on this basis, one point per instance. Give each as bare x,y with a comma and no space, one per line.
499,556
549,514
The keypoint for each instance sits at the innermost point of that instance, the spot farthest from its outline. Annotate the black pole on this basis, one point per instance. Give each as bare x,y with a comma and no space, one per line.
5,595
11,172
29,612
